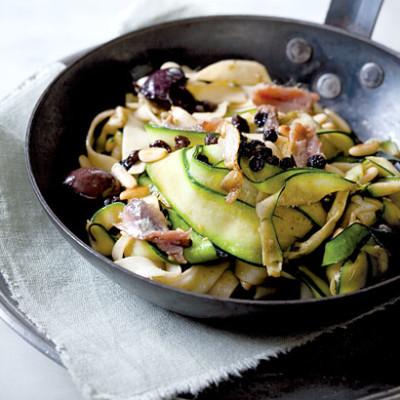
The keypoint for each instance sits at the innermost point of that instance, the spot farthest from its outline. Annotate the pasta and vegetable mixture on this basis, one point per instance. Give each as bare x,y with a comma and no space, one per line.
219,181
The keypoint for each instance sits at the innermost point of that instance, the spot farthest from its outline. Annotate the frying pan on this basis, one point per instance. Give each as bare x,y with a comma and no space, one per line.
354,76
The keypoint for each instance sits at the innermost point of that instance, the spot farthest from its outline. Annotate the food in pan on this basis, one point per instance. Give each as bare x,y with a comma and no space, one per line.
222,182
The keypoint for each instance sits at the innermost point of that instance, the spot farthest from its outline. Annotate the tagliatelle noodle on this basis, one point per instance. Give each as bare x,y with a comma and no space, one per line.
99,160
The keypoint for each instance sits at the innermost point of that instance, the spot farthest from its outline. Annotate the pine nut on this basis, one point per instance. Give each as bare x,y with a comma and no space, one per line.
370,174
284,130
137,192
320,118
137,168
331,168
152,154
120,173
328,125
364,149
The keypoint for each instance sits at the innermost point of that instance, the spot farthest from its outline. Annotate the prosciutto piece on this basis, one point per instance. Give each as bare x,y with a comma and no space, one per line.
272,112
303,143
285,98
212,125
143,221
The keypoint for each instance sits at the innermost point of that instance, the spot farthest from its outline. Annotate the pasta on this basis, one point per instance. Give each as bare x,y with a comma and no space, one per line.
223,183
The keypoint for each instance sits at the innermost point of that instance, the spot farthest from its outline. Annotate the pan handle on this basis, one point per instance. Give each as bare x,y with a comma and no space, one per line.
356,16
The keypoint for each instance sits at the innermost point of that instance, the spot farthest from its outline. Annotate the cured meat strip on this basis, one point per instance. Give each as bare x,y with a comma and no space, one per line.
272,112
143,221
285,98
303,143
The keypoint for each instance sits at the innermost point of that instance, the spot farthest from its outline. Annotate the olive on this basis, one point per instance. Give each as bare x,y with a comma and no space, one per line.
90,182
166,87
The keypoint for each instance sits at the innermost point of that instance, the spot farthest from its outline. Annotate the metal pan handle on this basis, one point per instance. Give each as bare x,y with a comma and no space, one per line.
356,16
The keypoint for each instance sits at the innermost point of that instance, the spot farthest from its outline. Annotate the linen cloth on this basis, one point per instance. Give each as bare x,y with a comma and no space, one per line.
115,345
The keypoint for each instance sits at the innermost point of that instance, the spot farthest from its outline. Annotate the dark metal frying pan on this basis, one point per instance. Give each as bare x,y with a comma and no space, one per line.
355,77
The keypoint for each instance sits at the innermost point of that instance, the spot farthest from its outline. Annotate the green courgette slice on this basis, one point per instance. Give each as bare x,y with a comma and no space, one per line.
231,227
100,240
335,142
384,187
317,286
211,176
108,215
202,249
353,274
391,213
310,187
385,167
345,243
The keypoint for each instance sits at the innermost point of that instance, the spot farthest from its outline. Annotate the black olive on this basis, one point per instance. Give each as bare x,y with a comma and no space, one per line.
90,182
167,87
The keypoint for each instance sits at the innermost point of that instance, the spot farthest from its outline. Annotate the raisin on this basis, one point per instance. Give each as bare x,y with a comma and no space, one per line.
263,152
273,160
287,162
245,150
260,118
270,135
250,148
203,158
256,164
240,123
132,159
181,142
161,143
211,139
316,161
111,199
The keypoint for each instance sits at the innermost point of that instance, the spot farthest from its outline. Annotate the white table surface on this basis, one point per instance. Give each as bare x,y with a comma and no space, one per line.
34,33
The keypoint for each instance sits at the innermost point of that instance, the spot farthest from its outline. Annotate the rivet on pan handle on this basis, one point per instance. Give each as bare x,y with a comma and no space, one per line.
356,16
